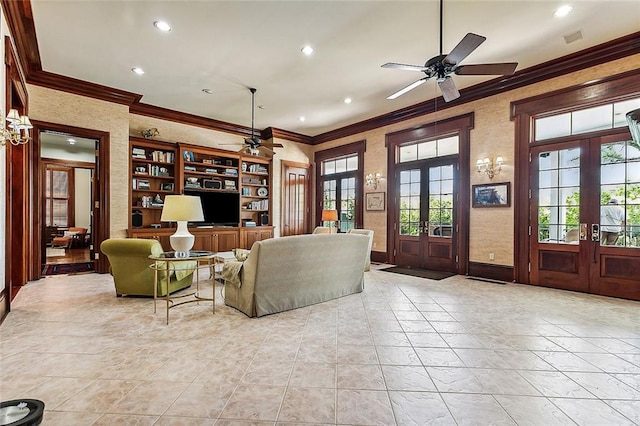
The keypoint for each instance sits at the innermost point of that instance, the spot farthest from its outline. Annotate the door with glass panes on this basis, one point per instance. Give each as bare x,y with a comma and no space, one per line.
585,215
426,234
340,194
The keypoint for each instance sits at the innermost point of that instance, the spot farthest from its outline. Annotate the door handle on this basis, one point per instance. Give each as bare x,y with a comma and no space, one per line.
595,232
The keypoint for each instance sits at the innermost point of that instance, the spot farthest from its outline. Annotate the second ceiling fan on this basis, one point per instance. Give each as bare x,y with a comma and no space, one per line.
443,65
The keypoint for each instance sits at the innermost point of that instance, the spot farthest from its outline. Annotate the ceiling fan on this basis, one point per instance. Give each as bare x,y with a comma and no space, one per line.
254,145
442,66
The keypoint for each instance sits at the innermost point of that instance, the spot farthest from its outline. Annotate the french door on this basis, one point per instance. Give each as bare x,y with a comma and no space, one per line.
340,195
575,243
427,207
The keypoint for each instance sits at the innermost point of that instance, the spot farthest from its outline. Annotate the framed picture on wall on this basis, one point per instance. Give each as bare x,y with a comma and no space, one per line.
374,201
491,195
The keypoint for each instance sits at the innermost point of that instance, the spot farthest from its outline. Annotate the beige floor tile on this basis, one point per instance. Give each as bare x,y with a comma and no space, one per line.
420,408
350,407
357,376
439,357
99,396
250,402
630,410
296,406
357,354
202,400
476,409
66,418
533,411
555,384
313,375
183,421
125,420
591,412
407,378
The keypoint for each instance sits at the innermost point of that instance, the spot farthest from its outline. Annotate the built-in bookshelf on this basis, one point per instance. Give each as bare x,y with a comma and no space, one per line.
161,168
209,170
153,176
256,191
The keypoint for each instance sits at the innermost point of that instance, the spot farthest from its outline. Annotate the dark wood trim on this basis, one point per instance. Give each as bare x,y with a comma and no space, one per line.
284,165
20,21
461,125
272,132
379,256
610,89
359,147
490,271
82,88
18,192
101,224
184,118
69,163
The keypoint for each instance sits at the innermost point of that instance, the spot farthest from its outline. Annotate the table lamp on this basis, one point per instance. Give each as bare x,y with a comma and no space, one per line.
330,216
181,209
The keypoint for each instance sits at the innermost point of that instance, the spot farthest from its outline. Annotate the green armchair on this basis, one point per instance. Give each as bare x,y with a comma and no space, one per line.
130,267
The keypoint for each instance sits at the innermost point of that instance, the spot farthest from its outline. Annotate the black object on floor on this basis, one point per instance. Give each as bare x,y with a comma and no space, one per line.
417,272
21,412
67,268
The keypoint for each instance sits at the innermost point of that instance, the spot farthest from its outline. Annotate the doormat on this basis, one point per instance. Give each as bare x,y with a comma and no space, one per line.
417,272
68,268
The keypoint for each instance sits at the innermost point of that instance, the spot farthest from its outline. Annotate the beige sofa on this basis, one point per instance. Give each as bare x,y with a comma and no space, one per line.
291,272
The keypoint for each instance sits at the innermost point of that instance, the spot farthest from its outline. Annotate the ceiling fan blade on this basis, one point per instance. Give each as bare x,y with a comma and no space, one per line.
404,67
448,88
505,68
468,44
406,89
272,145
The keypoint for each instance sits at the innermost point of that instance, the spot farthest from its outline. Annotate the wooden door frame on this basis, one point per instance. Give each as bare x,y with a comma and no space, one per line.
461,126
284,164
610,89
101,213
359,148
17,170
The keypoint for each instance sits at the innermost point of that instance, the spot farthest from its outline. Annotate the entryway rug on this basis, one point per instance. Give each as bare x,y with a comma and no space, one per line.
417,272
67,268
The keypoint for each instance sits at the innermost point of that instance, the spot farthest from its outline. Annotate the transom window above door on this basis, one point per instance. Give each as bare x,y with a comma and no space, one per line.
586,120
421,150
340,165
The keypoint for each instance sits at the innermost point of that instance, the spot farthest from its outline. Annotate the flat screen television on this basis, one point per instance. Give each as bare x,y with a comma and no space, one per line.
219,208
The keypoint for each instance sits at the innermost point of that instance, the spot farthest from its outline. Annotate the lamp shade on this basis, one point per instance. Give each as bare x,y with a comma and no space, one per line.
182,208
329,215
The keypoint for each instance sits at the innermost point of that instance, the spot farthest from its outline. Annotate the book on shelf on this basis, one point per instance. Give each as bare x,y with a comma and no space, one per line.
257,168
249,223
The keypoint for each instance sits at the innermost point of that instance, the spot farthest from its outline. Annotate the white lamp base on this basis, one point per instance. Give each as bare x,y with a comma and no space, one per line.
182,241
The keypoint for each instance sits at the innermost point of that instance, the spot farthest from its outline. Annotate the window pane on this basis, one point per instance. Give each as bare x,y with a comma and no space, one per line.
552,127
341,165
591,119
427,150
448,146
620,110
329,167
408,153
352,163
60,184
60,212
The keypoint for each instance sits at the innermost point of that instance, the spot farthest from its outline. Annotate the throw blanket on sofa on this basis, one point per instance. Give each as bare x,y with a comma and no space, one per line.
231,273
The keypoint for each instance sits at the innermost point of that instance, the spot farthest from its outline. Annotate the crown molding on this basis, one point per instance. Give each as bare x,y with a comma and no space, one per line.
184,118
19,18
272,132
81,87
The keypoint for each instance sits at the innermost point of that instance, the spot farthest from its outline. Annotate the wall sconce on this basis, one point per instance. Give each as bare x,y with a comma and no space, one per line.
18,131
373,179
488,166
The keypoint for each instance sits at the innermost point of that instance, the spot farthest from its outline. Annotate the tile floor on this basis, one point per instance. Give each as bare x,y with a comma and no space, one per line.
405,351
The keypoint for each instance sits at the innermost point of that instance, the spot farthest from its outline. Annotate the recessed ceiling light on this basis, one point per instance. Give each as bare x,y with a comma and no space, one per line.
562,11
71,141
207,91
162,26
302,119
137,70
347,100
307,50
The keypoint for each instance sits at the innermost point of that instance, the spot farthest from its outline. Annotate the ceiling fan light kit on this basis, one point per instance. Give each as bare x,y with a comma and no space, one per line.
253,145
440,67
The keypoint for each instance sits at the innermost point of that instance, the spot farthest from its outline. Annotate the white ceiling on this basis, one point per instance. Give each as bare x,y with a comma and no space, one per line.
228,46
